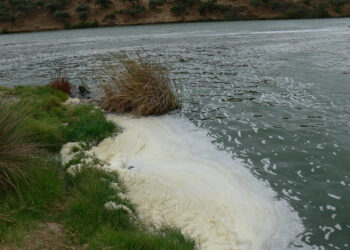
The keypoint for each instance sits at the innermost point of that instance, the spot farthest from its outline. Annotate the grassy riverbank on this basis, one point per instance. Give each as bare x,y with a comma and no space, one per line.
46,208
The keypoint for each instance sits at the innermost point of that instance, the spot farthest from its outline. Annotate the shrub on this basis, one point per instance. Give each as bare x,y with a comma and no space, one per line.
67,25
256,3
134,11
281,5
321,10
229,16
83,15
337,9
4,31
298,13
142,87
188,3
62,15
178,9
55,5
15,152
211,6
153,4
338,3
6,17
22,5
84,25
82,7
110,16
40,3
61,83
3,6
103,3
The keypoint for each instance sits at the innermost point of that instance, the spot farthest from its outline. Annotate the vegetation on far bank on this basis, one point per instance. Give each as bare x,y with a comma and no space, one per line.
45,207
58,14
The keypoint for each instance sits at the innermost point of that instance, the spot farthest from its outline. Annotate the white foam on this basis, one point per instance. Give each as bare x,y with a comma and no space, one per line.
180,179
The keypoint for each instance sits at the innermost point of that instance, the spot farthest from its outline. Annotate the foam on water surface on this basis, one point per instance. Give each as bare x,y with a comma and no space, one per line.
179,178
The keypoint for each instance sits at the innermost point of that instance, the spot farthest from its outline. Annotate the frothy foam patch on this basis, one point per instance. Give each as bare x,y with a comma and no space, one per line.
180,179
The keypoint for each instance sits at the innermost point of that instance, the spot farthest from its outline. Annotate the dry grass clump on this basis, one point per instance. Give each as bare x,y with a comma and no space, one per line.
15,152
47,236
139,86
61,83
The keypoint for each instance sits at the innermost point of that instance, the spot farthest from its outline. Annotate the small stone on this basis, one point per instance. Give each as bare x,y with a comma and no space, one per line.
83,90
72,101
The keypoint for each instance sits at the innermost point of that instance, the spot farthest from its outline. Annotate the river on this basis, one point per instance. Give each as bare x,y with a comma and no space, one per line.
274,94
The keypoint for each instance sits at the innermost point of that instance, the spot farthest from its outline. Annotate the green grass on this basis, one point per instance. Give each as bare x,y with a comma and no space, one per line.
16,151
53,124
167,239
85,213
26,208
87,124
86,216
75,203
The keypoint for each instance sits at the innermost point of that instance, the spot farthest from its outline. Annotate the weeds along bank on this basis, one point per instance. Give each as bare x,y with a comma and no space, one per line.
44,207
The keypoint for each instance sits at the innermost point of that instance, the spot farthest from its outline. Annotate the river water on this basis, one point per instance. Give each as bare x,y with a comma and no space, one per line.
275,94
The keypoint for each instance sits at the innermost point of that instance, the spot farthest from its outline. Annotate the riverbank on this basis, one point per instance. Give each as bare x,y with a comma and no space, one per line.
131,183
272,93
48,203
29,16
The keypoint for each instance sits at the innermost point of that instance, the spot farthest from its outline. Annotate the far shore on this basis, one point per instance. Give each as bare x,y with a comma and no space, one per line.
33,16
5,31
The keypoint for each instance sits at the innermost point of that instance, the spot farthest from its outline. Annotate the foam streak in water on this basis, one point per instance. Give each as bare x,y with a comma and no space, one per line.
180,179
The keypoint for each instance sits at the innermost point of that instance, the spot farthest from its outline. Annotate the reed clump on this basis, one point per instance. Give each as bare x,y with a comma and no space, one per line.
138,85
16,153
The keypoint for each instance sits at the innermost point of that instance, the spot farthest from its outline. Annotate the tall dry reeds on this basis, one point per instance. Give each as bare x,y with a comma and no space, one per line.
15,152
138,85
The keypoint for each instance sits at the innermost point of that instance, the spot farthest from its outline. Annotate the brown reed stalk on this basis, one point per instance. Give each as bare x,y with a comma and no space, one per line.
140,86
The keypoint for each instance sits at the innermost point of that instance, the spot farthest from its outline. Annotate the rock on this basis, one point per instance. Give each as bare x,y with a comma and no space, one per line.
83,90
54,228
72,101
